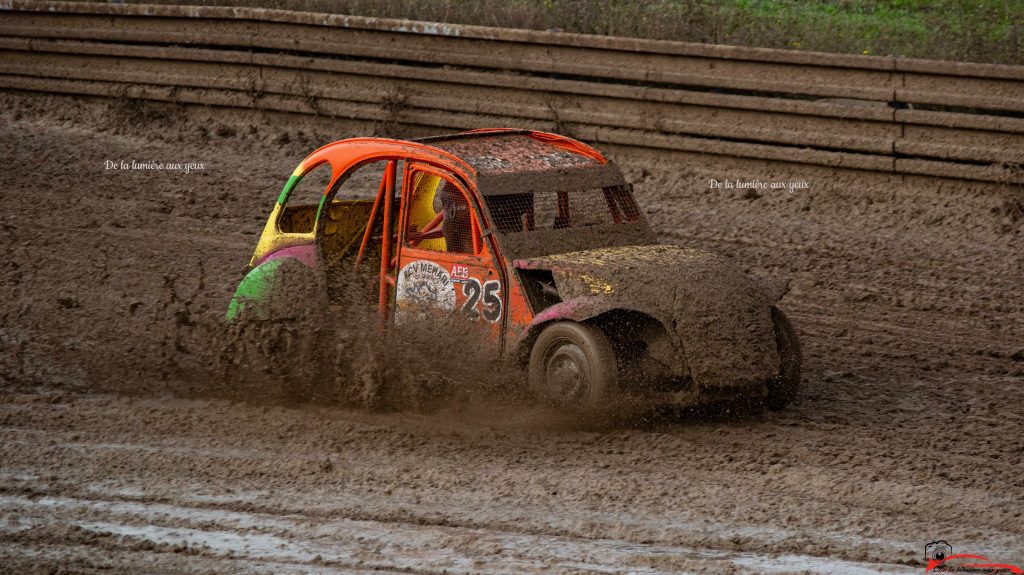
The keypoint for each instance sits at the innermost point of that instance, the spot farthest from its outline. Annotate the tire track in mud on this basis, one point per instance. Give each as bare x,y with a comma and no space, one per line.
116,511
272,543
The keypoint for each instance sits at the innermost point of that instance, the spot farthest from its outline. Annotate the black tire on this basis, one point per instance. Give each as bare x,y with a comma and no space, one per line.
572,366
783,389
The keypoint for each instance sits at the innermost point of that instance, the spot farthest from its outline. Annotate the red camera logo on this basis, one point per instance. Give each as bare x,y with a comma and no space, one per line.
939,558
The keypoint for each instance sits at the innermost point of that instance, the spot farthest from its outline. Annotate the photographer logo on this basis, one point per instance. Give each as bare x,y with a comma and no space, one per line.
939,558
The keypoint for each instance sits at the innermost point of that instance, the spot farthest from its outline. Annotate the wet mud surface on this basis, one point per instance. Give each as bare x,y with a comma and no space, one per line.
118,456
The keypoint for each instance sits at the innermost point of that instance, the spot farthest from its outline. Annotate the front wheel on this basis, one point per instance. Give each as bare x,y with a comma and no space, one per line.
783,389
572,366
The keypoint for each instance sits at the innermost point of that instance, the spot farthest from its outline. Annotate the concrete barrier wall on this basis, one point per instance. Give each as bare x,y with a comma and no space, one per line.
885,114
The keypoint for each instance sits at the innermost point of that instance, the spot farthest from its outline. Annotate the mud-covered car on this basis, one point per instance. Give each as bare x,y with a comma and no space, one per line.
533,243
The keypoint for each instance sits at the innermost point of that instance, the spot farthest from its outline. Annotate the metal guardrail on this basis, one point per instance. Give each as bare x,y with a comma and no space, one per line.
887,114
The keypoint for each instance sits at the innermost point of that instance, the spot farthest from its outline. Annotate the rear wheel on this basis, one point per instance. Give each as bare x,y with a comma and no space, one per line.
572,366
783,389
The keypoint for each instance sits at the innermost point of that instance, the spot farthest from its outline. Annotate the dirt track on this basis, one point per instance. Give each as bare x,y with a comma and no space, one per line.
113,458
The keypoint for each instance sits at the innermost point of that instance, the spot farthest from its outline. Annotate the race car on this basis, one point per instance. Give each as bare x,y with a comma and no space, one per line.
533,243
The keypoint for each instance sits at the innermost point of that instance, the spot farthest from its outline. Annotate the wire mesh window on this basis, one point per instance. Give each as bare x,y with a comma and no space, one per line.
519,213
439,216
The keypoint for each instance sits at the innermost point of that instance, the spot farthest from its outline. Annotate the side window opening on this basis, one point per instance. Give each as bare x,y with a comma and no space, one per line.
364,183
346,218
439,218
299,215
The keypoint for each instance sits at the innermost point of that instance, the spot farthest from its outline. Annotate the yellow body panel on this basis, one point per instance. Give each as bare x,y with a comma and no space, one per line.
421,212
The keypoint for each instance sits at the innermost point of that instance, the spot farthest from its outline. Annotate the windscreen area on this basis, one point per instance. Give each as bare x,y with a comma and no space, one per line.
545,222
551,210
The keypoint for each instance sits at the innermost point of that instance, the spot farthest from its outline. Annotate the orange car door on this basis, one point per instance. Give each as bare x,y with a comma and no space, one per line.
445,267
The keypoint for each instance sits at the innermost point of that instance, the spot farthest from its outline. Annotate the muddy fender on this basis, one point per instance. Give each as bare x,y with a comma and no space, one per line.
578,309
280,288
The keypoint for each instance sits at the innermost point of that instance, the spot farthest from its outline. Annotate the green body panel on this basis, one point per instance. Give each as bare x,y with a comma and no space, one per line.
254,289
287,190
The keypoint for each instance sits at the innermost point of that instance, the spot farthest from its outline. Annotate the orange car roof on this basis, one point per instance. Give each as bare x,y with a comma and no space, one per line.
504,151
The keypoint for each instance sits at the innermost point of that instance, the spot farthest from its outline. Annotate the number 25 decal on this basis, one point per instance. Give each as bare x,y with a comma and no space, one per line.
490,293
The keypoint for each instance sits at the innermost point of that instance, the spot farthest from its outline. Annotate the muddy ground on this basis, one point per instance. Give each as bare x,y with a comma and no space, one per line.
116,456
